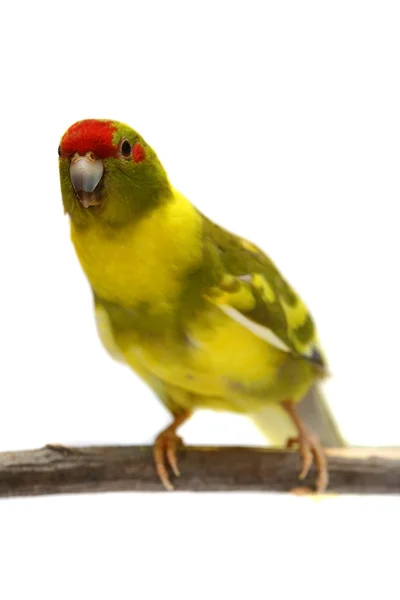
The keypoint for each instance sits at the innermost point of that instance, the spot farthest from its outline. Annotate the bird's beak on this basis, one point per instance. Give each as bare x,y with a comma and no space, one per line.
86,173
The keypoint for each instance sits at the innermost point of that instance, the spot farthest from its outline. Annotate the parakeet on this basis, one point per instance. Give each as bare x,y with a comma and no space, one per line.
203,316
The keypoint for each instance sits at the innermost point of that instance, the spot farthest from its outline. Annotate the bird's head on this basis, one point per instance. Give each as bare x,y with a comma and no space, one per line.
108,172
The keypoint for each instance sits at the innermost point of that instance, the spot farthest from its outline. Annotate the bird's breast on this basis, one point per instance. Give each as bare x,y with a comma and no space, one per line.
144,262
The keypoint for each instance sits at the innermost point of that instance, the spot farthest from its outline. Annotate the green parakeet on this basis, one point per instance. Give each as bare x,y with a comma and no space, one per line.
202,315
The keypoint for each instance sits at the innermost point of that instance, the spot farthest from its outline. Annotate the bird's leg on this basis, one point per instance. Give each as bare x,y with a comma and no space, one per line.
310,449
165,448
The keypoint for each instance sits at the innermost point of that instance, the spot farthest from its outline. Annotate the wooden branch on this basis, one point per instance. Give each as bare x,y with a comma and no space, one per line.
119,468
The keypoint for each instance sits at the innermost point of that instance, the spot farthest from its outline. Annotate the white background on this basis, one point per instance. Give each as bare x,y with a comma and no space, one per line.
280,120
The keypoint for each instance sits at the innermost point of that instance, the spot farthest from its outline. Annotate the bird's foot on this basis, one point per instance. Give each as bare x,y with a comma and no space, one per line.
311,451
165,451
310,448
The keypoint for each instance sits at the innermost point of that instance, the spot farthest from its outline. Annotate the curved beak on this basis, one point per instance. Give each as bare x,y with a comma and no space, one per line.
86,173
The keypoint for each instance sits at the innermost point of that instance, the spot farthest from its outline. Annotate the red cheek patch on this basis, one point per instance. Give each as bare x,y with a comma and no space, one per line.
138,152
90,135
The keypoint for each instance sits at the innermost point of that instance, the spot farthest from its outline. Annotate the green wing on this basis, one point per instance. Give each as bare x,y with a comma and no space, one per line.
252,290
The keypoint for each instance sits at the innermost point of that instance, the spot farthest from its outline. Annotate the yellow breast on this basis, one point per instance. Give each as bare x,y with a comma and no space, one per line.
145,260
106,334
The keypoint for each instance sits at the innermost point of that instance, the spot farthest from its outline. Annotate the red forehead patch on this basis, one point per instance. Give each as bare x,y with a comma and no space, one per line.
90,135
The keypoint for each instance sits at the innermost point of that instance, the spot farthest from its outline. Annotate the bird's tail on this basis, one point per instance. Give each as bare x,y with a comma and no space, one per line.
313,409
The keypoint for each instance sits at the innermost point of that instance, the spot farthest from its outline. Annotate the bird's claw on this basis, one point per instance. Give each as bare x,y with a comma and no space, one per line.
165,454
311,451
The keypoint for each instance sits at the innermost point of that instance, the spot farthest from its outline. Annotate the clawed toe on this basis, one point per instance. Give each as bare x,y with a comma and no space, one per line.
165,450
310,449
165,454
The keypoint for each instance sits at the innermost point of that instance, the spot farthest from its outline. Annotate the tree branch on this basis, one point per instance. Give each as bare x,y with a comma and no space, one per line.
119,468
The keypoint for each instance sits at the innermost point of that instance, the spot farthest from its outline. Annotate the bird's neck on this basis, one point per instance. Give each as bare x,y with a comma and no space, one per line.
146,261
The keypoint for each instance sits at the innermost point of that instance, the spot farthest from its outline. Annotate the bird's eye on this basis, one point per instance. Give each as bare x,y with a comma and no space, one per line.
126,148
59,150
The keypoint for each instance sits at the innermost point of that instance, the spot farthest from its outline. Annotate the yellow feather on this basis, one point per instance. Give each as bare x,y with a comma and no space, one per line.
295,315
260,283
106,333
143,261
